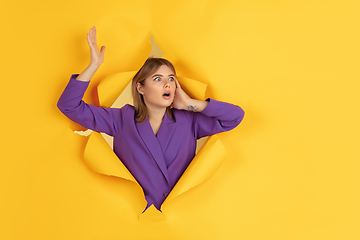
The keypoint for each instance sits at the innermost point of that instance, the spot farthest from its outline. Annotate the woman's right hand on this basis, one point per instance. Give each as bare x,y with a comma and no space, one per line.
97,57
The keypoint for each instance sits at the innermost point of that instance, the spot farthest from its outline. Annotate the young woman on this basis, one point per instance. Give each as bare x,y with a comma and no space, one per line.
155,138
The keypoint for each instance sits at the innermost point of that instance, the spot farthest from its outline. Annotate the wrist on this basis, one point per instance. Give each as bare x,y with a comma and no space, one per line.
191,105
196,105
88,73
93,66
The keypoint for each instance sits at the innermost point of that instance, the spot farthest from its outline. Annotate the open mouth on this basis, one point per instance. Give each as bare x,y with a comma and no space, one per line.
166,95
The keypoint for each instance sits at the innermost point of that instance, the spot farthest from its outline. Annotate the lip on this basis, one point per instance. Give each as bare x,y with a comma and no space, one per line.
166,97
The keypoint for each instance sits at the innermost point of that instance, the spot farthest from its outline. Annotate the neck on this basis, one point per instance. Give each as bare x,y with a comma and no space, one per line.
156,114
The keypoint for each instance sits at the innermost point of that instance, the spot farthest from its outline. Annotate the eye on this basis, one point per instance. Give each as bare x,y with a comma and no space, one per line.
157,79
171,79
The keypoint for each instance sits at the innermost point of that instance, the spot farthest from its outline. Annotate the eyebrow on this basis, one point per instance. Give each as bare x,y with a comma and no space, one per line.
159,75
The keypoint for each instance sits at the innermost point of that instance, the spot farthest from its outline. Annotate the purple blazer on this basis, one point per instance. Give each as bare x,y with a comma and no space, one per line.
156,162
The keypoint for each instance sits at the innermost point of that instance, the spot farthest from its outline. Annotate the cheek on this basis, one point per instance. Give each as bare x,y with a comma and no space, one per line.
152,91
149,89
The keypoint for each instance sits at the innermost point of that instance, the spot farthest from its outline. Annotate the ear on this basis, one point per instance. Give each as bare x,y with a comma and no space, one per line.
139,88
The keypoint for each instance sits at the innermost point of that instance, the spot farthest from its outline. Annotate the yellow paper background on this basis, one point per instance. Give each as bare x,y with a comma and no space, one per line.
292,165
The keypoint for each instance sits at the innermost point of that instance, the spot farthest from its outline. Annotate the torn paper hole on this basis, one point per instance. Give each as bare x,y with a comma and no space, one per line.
115,91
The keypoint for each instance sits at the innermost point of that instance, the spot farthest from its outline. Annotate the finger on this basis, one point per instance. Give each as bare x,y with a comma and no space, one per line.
94,34
91,35
103,48
177,83
88,39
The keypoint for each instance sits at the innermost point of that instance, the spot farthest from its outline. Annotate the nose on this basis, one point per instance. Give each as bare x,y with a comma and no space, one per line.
167,84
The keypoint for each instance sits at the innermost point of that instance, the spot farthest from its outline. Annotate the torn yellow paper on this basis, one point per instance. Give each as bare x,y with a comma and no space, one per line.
206,162
100,158
111,87
152,215
292,165
194,89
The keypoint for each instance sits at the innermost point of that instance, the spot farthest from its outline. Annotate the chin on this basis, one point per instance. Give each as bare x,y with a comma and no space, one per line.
170,101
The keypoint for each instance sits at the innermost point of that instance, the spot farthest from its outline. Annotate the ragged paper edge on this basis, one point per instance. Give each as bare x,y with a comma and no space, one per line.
101,158
112,86
206,162
152,215
194,89
108,94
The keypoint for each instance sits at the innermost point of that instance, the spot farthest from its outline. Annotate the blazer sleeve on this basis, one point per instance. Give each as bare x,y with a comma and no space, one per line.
217,117
99,119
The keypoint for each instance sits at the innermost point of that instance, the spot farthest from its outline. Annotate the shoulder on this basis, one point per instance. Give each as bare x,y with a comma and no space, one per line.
124,116
128,107
127,111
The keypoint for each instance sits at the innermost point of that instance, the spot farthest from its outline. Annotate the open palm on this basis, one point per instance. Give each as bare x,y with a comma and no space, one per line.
97,57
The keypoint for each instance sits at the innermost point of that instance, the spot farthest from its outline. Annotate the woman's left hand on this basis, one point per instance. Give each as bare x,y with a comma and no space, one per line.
181,99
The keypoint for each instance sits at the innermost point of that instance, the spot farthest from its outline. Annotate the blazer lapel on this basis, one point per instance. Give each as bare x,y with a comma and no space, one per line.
152,144
166,131
206,162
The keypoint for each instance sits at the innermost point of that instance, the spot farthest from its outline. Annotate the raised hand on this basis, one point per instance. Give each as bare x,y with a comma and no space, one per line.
181,99
97,57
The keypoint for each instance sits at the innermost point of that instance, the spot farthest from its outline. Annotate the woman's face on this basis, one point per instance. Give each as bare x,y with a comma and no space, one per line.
159,89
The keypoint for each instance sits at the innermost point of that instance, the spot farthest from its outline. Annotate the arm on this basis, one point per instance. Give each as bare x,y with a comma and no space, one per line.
99,119
71,103
210,116
217,117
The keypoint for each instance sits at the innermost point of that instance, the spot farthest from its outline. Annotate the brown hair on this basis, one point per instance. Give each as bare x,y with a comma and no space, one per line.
150,66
